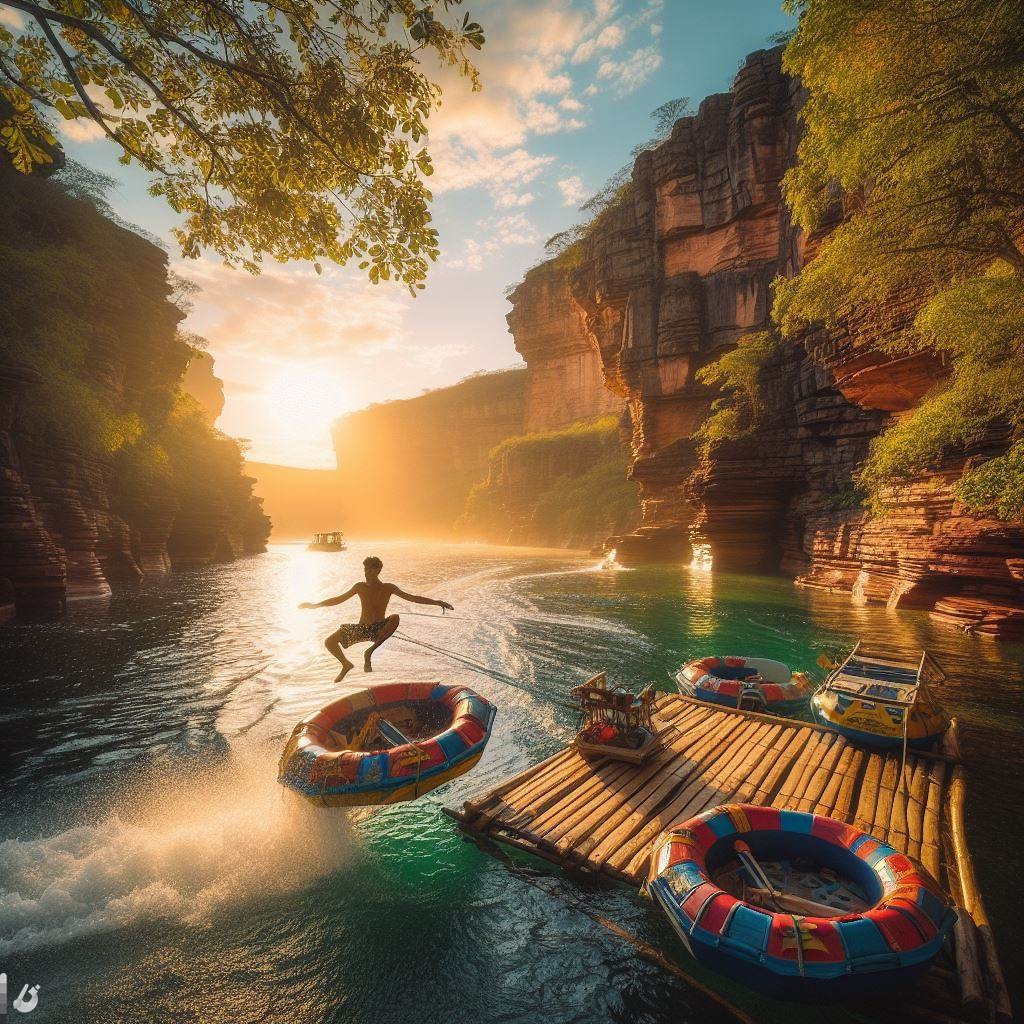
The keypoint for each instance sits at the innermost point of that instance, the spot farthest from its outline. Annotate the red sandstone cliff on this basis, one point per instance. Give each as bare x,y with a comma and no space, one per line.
565,380
669,278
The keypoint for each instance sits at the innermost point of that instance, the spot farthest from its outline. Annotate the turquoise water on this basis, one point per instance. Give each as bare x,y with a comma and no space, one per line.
151,869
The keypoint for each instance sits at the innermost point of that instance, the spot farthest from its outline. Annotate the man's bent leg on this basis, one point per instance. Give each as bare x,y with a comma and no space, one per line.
385,634
333,644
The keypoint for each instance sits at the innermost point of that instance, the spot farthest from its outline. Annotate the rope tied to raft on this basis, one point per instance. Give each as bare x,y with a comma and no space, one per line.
476,666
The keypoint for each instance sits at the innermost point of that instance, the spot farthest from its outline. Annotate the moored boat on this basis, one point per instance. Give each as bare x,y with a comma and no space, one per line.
883,701
387,743
798,905
332,541
754,684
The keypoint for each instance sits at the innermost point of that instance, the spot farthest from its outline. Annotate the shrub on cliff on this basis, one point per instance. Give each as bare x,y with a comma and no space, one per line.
565,486
915,116
737,374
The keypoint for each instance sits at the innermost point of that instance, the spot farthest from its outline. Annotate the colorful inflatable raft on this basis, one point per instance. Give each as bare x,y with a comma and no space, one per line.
793,956
883,702
386,744
756,684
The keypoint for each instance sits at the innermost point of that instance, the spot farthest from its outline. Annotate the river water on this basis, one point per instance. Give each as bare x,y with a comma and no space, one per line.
151,870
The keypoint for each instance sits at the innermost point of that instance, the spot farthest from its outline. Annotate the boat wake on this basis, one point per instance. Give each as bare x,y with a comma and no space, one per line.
182,847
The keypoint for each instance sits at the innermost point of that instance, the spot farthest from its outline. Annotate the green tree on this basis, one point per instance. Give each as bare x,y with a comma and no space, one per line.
914,129
292,129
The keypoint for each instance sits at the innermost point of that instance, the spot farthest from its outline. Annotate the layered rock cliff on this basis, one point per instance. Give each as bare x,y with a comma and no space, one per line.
107,473
557,488
670,277
565,379
407,466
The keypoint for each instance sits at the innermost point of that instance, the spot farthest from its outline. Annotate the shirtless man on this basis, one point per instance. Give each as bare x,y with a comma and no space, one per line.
374,622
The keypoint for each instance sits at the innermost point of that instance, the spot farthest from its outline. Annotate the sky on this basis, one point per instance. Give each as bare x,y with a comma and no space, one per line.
568,86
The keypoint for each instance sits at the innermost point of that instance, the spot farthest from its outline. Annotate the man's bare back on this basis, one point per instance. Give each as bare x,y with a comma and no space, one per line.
374,622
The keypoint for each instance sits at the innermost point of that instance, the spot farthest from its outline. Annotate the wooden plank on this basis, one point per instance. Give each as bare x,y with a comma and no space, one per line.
899,831
931,841
523,787
794,781
698,792
688,804
825,799
584,824
773,746
598,787
886,791
685,784
842,809
821,775
660,783
915,808
797,742
865,813
524,812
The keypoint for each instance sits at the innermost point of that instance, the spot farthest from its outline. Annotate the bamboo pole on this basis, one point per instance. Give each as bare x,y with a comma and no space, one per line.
972,901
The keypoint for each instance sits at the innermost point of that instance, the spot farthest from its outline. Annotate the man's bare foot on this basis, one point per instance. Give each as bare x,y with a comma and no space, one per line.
367,665
346,667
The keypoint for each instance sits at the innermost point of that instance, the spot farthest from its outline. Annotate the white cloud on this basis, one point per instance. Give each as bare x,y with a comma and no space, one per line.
515,229
81,130
462,164
573,192
12,19
497,234
512,198
609,38
570,103
291,311
631,72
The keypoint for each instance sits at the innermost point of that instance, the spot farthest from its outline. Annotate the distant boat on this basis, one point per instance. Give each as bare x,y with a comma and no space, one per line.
883,701
328,542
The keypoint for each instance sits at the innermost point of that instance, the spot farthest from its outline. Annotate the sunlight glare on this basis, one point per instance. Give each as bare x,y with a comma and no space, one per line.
304,401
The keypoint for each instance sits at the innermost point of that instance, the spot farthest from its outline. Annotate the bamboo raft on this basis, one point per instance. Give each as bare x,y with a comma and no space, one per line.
604,816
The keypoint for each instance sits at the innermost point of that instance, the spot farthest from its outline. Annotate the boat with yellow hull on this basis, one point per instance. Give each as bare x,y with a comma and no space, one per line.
883,701
386,744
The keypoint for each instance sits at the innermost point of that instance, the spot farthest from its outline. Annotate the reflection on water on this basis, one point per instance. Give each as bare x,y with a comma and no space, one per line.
152,870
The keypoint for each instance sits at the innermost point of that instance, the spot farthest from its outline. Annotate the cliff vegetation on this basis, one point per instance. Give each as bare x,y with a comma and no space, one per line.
565,487
110,468
916,112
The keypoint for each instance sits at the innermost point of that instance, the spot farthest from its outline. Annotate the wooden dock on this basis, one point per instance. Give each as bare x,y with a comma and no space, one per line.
604,816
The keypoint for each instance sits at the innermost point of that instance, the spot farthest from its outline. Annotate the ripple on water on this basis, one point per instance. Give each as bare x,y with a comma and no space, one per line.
151,861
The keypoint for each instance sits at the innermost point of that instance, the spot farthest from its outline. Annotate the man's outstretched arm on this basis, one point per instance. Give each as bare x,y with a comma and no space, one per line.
327,602
415,599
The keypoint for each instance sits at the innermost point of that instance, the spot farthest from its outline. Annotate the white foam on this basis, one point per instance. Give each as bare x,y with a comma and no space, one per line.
183,847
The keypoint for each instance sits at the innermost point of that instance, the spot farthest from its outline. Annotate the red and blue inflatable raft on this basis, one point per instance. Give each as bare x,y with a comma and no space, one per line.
850,956
386,743
756,684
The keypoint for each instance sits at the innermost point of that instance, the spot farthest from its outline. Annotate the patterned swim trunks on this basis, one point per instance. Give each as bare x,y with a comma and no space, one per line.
356,632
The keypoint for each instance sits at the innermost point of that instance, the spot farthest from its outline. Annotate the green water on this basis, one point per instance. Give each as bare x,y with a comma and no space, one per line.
150,869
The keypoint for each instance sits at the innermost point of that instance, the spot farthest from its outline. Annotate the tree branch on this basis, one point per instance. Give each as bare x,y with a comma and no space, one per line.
94,111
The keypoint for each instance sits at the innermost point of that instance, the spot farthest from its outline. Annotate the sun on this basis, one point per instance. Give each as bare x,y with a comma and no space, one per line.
303,402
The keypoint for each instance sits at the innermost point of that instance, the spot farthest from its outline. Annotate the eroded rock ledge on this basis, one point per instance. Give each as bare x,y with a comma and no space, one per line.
668,280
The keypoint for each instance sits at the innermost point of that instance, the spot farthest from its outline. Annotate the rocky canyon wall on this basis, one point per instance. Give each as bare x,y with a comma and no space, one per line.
665,281
565,379
407,466
90,374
